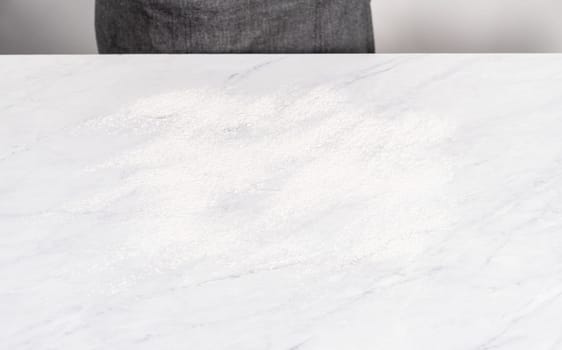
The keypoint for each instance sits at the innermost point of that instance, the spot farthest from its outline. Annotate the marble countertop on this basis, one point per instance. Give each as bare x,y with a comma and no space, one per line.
281,202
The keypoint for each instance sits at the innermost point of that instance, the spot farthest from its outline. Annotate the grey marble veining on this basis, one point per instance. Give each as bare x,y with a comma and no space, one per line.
281,202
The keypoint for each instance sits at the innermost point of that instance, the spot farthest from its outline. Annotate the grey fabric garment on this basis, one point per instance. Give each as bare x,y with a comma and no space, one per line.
234,26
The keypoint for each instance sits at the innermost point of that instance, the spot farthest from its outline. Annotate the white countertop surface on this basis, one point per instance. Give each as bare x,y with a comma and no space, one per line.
281,202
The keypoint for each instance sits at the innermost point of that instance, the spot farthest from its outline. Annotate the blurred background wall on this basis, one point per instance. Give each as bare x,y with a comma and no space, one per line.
66,26
47,26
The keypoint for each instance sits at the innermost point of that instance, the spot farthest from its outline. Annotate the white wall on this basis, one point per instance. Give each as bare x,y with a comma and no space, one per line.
66,26
468,25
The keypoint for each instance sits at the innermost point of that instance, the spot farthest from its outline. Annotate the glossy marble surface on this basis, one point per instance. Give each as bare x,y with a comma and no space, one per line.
281,202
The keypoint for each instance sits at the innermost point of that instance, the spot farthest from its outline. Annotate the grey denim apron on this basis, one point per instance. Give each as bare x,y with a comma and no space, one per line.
234,26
